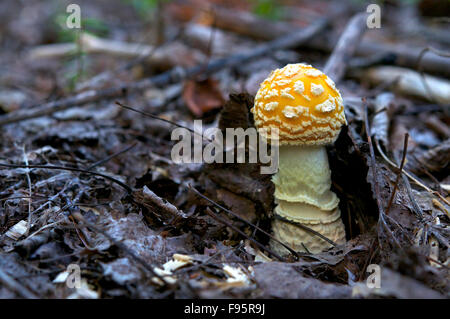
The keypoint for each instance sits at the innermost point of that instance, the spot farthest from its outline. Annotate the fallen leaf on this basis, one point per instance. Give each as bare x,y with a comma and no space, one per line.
202,96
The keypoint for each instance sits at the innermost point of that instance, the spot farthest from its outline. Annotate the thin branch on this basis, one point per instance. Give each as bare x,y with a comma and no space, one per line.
108,158
346,47
399,173
228,224
431,96
373,165
306,228
74,169
410,176
12,284
171,213
162,119
242,219
27,173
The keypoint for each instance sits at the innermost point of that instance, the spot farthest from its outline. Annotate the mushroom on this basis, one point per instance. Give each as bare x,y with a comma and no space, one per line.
307,109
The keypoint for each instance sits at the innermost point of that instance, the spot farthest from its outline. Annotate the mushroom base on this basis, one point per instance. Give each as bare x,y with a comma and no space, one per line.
297,238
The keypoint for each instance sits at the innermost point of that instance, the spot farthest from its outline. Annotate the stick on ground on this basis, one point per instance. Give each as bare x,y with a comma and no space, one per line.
346,47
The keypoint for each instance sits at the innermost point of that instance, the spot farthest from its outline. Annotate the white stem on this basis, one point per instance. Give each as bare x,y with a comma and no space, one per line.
302,192
304,176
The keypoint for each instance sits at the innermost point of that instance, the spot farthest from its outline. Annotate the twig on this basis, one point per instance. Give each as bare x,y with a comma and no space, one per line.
205,262
87,44
410,176
346,46
305,248
12,284
374,170
306,228
43,228
52,199
161,119
74,169
430,93
162,205
410,82
372,251
43,198
437,262
416,208
106,75
242,219
27,173
399,173
108,158
257,243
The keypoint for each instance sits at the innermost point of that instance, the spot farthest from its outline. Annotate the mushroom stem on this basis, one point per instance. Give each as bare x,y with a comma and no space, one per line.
303,195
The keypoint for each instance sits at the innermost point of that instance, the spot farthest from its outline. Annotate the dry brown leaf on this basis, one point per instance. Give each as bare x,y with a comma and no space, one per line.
201,97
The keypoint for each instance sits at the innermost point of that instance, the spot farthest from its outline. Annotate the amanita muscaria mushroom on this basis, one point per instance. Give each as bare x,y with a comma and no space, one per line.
307,109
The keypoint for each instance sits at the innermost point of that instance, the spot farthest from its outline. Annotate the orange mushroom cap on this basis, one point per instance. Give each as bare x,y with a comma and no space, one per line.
302,103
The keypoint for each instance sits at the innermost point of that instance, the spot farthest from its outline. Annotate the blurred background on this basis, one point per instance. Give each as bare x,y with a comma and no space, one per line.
185,32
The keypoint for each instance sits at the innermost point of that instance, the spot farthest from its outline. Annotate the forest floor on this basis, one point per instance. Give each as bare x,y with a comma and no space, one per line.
88,185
